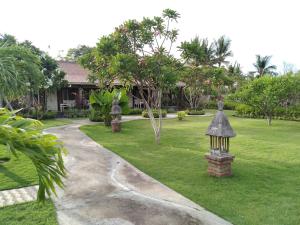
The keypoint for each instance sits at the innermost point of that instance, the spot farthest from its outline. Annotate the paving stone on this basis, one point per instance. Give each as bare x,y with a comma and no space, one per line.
19,195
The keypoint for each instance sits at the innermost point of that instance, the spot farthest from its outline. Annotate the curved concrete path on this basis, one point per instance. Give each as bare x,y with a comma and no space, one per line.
104,189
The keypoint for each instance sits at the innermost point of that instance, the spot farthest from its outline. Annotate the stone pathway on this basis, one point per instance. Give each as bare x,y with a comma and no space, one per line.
26,194
16,196
104,189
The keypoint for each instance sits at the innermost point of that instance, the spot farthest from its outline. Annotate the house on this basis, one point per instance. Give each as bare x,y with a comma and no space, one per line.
77,93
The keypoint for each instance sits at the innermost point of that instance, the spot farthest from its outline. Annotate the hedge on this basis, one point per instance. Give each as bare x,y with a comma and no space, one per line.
155,113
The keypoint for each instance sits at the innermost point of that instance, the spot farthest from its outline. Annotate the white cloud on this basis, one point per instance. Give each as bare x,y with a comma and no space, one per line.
255,26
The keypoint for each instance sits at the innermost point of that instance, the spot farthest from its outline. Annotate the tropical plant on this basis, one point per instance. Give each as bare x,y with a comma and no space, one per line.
19,71
9,82
263,65
101,102
24,136
35,71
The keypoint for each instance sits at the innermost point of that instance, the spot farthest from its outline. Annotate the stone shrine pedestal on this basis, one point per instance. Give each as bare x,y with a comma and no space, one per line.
116,125
219,165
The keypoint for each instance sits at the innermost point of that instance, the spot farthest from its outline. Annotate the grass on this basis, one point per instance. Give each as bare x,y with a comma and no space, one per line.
31,213
17,172
265,188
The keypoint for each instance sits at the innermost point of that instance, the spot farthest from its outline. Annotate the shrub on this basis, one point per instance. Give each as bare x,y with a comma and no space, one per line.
155,113
41,115
282,113
133,112
76,113
229,105
95,116
181,115
211,105
49,115
246,110
195,112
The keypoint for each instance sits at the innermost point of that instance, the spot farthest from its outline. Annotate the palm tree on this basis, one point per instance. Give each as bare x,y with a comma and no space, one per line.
222,50
197,52
263,65
208,53
235,69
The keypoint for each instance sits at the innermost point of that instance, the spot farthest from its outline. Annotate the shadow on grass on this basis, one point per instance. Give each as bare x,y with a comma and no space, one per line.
13,176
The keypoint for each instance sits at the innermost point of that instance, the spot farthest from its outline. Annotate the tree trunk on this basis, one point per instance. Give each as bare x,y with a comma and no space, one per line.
160,117
269,118
1,101
155,125
8,104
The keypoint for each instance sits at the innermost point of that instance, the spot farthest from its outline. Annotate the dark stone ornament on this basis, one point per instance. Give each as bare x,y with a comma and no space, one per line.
116,112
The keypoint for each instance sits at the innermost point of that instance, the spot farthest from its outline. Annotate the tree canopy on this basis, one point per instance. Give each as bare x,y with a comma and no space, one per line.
267,93
35,68
200,52
138,53
74,54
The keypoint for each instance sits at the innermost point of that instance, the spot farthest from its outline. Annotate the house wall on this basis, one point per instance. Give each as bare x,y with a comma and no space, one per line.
52,101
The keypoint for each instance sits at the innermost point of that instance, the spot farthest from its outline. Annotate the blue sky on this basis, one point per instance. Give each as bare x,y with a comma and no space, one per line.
255,26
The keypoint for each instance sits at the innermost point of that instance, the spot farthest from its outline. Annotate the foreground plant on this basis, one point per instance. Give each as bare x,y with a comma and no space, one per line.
25,136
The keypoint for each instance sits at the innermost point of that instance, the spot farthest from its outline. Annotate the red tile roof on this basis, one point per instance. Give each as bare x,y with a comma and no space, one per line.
75,74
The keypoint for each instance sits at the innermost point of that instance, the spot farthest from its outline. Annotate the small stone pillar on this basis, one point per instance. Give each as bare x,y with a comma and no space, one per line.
219,165
116,112
220,132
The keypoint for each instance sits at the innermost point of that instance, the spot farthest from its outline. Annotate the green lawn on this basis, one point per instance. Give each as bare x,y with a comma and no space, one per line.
18,172
265,188
31,213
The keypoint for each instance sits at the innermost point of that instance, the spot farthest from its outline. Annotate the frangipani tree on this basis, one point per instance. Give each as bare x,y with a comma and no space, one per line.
138,53
25,136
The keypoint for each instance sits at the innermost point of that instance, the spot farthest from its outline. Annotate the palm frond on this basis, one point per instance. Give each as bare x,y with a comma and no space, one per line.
24,136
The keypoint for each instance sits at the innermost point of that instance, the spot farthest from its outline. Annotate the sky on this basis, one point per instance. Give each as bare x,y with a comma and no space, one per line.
265,27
